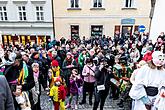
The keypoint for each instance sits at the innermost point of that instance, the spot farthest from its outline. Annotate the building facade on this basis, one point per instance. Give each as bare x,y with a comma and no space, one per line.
23,21
91,18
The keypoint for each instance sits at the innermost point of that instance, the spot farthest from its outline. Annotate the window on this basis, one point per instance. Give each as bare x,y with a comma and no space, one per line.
96,30
97,3
129,3
74,3
22,13
74,32
39,13
3,13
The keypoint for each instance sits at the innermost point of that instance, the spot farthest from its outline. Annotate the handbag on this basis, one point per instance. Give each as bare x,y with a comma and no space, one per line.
101,87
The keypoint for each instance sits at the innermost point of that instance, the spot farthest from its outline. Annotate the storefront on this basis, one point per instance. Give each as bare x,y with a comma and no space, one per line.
24,39
42,39
127,28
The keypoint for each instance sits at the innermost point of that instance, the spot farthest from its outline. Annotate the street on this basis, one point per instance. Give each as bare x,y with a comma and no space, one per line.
110,104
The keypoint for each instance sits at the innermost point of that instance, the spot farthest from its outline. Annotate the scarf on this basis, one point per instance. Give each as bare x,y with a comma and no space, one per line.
23,74
57,74
36,75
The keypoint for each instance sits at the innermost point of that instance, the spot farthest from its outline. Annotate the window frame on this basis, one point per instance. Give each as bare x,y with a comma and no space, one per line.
4,15
22,14
40,16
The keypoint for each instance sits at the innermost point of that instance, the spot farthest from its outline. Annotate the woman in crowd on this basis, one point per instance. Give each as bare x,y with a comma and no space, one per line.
89,80
103,75
68,65
36,90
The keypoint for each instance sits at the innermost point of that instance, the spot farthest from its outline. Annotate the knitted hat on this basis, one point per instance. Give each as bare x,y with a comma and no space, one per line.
54,63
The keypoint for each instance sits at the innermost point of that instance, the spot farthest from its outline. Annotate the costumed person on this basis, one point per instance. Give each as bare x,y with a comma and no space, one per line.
54,71
148,80
58,94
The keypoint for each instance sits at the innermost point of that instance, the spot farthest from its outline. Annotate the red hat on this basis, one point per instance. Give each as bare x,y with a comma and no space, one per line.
54,63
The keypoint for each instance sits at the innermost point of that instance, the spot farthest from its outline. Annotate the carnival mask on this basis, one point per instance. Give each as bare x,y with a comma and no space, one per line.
158,58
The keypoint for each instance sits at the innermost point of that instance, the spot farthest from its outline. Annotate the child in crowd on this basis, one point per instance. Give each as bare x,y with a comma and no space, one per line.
75,82
58,94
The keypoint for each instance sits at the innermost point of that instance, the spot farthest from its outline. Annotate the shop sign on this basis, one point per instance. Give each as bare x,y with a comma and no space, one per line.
128,21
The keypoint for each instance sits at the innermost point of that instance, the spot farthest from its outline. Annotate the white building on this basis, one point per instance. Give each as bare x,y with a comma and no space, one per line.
25,21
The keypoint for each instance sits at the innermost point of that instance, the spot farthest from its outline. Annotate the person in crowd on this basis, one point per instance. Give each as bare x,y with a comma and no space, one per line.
54,71
6,99
89,80
117,69
148,56
81,59
134,54
2,67
26,58
34,93
57,58
102,85
68,64
58,94
20,78
75,82
36,57
62,52
147,82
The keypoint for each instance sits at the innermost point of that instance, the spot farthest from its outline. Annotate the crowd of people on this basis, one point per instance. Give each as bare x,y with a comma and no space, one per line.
100,67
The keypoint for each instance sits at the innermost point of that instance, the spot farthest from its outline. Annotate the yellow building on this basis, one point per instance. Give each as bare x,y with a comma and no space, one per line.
92,18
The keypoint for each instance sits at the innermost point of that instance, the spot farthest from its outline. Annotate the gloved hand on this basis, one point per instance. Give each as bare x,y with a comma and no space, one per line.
146,101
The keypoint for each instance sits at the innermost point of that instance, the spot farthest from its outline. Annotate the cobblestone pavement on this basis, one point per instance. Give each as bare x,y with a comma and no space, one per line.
110,104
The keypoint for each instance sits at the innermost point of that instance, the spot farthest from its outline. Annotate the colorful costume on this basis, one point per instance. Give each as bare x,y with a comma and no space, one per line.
58,93
53,72
149,79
